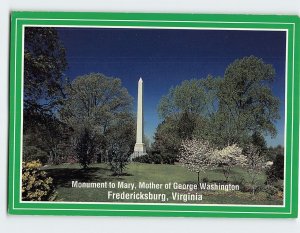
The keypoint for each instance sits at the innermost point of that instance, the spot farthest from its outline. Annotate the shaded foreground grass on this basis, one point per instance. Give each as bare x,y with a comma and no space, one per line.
64,174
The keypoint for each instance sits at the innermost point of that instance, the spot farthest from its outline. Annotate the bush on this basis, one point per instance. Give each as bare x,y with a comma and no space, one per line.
279,185
241,182
276,171
205,180
169,158
142,159
36,186
155,158
86,148
118,162
270,190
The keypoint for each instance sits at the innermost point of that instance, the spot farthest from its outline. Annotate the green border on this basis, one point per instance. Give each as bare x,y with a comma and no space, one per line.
259,22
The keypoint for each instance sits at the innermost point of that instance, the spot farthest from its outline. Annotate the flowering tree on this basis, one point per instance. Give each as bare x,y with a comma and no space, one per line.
228,157
255,164
196,156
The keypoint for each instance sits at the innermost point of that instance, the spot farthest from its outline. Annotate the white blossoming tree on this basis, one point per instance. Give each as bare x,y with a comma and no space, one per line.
196,156
229,157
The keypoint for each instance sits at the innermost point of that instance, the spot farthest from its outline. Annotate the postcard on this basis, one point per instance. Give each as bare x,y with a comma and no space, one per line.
138,114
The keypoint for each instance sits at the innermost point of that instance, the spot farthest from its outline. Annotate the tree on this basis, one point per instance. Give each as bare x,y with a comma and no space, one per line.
272,152
196,96
119,157
95,98
121,144
166,139
186,125
97,103
237,109
186,111
196,156
44,64
229,157
255,164
246,102
258,140
48,141
86,148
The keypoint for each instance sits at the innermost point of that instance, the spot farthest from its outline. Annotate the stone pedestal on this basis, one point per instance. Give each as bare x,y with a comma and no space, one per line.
140,148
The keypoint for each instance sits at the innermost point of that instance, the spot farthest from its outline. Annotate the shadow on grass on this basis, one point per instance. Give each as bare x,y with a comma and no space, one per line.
220,171
123,174
63,177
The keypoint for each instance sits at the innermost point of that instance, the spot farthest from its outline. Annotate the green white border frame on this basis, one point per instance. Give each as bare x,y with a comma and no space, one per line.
290,24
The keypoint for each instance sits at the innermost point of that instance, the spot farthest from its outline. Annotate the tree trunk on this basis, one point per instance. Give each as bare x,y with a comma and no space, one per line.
225,174
99,157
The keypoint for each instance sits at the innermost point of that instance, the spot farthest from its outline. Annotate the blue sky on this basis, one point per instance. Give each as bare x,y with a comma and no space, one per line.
165,57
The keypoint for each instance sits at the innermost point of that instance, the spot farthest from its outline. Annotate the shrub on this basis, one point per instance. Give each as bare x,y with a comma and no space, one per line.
280,195
86,147
36,186
142,159
276,171
119,160
169,158
155,158
241,182
279,185
205,180
270,190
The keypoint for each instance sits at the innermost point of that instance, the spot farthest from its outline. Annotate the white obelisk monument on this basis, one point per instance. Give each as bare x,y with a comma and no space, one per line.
139,148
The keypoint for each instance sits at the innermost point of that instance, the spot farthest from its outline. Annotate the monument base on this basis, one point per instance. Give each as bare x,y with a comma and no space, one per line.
139,150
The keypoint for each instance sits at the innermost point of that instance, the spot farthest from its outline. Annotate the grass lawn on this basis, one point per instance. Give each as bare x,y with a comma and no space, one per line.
64,174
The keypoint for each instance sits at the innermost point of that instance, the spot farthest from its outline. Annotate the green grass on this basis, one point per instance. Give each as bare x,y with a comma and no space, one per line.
64,174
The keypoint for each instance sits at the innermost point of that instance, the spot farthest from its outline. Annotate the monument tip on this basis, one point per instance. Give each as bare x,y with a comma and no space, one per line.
140,80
